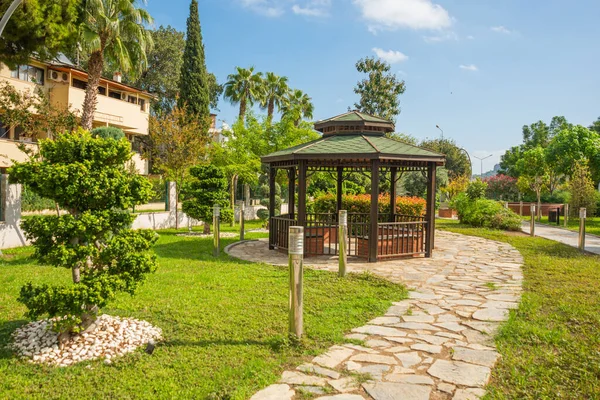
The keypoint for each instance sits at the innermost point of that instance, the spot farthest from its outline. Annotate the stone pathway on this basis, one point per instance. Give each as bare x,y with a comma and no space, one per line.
438,344
562,235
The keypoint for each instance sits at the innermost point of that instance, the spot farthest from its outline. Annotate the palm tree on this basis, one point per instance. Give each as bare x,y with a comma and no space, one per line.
298,105
275,93
112,31
245,87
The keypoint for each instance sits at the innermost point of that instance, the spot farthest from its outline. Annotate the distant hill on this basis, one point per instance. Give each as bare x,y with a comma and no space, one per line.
488,174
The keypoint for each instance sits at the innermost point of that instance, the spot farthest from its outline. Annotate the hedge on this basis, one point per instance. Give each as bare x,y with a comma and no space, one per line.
361,203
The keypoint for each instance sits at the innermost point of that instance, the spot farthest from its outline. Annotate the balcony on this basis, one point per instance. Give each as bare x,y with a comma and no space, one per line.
121,114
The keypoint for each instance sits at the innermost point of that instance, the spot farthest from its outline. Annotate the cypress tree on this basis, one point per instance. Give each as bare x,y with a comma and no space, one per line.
194,84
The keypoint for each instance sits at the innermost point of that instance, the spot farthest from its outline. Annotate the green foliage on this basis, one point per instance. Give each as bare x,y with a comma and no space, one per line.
502,187
108,132
457,160
361,204
31,201
573,145
380,92
245,87
476,189
85,176
583,192
40,28
298,105
485,213
206,187
275,93
415,183
263,214
194,86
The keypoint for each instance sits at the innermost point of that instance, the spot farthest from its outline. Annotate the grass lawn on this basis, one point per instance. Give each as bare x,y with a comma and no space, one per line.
551,345
592,225
224,322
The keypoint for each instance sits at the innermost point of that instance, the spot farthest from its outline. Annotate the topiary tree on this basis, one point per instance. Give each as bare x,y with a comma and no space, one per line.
108,132
207,186
85,176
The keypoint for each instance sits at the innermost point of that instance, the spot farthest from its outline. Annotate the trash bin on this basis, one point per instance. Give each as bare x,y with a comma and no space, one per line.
553,215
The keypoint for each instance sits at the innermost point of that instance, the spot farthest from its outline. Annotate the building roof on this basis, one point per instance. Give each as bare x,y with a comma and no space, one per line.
355,146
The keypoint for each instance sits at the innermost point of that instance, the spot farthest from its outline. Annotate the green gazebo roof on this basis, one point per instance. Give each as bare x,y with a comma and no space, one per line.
355,146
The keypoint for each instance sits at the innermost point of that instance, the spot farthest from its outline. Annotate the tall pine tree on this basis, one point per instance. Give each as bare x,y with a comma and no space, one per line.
194,85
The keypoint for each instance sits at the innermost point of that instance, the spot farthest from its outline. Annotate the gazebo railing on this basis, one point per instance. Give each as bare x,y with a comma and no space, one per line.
280,231
397,239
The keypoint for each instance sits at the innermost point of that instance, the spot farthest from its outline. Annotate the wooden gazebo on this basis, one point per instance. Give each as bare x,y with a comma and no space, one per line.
353,142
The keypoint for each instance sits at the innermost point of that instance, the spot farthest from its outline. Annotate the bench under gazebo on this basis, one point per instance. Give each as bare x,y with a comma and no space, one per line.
354,142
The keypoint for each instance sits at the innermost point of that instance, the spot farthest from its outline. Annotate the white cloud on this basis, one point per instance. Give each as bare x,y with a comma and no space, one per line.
501,29
276,8
470,67
395,14
470,37
268,8
390,56
310,11
441,38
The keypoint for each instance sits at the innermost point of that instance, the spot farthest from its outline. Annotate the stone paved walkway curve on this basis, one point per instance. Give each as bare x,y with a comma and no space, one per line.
436,345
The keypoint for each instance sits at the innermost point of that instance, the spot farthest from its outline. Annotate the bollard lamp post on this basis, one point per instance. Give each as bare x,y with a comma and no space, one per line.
582,217
532,221
216,230
242,217
343,240
296,256
566,219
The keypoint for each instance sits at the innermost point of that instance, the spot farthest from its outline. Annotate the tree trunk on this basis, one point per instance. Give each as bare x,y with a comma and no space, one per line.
270,110
242,115
247,194
95,66
539,205
177,208
206,228
232,196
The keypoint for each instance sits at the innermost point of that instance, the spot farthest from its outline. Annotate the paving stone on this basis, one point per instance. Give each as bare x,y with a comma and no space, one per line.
408,359
429,348
446,387
360,348
333,357
500,304
298,378
418,318
423,296
352,366
344,385
401,370
396,349
397,391
452,326
311,389
449,335
343,396
377,343
417,326
374,359
460,373
446,318
468,394
431,339
481,357
414,379
356,336
376,371
384,321
399,340
315,369
274,392
491,314
379,330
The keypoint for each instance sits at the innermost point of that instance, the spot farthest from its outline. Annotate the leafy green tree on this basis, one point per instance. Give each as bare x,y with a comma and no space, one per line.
595,126
298,105
86,177
108,132
415,183
583,191
206,187
275,93
194,85
244,88
177,142
380,92
457,161
38,27
572,145
534,173
112,30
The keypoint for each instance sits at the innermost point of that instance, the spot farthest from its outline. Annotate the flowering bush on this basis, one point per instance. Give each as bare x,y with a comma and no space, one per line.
361,203
502,187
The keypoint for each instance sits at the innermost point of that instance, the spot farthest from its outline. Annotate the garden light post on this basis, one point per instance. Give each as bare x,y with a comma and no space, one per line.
566,219
343,239
532,221
582,217
242,211
441,130
481,159
296,256
521,208
216,230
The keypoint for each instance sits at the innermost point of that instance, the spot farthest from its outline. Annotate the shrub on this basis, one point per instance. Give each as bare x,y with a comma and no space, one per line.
263,214
502,187
583,192
476,189
108,132
94,238
361,204
31,201
485,213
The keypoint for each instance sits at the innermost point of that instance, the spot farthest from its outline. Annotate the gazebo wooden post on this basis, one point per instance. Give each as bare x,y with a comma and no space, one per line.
393,173
340,181
272,205
430,214
291,192
374,227
302,193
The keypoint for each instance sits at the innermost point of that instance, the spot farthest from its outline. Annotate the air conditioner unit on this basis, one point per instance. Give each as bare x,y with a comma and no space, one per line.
58,76
123,96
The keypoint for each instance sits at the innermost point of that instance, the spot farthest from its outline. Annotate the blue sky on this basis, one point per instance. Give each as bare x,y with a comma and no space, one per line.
481,69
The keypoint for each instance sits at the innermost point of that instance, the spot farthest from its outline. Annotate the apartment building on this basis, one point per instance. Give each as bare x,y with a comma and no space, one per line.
119,105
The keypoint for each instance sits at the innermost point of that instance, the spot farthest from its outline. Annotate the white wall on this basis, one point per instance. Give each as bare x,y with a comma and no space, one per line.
11,234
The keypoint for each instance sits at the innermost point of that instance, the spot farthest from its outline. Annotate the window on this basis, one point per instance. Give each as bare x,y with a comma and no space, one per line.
142,103
102,90
114,95
4,131
79,84
132,99
28,73
18,133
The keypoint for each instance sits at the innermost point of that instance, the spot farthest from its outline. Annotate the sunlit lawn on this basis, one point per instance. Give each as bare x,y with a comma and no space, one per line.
224,323
551,345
